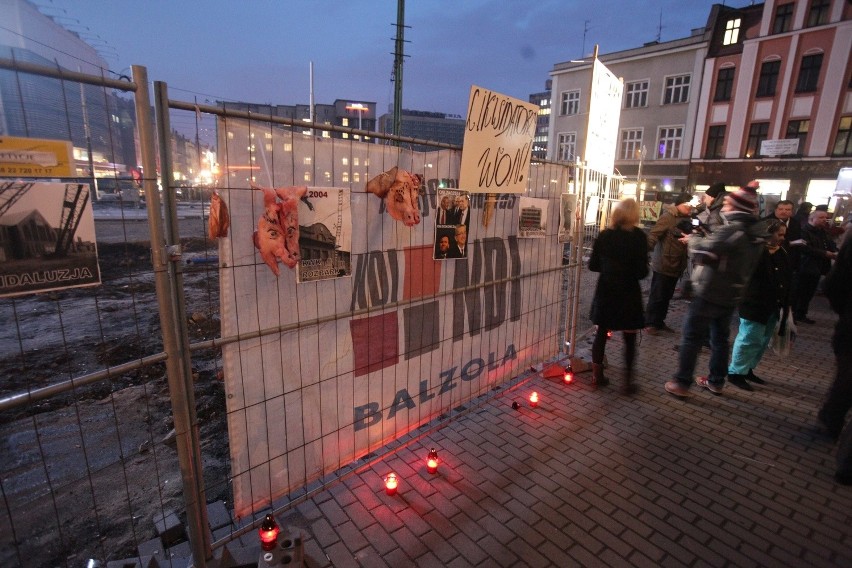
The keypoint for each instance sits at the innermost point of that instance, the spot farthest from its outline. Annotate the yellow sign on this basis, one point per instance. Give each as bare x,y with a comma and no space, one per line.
498,138
36,158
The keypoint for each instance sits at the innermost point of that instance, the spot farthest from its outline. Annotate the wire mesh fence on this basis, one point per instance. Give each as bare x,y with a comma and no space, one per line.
93,464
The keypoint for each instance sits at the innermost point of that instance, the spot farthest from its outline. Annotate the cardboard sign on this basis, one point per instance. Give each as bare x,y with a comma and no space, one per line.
35,158
498,141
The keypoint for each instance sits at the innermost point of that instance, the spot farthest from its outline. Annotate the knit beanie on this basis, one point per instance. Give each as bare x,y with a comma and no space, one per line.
744,199
715,189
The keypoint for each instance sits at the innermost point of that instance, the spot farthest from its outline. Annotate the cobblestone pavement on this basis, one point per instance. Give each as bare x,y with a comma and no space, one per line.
596,478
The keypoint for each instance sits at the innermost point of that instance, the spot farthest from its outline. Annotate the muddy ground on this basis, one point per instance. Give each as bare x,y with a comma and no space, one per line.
85,473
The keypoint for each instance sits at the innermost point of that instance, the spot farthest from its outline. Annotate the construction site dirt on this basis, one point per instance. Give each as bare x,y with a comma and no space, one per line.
88,471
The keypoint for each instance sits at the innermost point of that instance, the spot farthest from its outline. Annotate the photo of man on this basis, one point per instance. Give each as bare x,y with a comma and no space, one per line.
443,250
459,247
444,213
462,210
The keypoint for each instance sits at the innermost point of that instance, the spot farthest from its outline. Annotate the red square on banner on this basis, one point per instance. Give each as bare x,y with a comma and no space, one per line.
422,272
375,342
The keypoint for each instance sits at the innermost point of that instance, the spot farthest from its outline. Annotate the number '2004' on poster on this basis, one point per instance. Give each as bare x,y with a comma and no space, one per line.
325,235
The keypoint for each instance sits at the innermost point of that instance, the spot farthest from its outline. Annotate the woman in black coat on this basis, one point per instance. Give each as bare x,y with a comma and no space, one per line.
620,254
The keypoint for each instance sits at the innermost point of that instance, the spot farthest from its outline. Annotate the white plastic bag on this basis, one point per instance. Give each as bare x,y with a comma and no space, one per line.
785,335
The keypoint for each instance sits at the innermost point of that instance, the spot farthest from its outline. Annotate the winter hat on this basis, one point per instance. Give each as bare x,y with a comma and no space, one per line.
682,198
715,189
744,199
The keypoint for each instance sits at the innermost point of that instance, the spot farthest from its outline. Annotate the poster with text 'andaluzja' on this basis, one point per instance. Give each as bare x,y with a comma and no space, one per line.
498,138
331,370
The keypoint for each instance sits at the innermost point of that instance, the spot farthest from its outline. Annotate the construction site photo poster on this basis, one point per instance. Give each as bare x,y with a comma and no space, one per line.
47,237
325,234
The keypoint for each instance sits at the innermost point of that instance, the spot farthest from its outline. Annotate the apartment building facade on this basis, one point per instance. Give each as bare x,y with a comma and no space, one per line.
760,92
776,102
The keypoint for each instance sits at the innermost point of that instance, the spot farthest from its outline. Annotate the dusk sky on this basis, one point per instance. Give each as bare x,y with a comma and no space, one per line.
260,50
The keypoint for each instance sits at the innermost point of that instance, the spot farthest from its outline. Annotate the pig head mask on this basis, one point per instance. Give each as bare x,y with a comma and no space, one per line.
277,235
400,190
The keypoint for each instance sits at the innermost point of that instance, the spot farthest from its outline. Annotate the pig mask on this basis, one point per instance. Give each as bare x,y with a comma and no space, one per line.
399,189
277,235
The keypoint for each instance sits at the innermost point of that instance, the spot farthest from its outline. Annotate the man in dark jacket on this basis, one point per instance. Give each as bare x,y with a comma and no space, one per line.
711,205
784,213
814,262
668,260
838,401
725,260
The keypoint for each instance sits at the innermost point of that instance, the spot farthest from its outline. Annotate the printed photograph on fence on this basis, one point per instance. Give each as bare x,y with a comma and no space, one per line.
567,211
47,237
452,222
532,218
325,235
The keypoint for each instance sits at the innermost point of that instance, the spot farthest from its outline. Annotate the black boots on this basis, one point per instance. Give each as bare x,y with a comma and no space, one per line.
628,387
739,381
598,379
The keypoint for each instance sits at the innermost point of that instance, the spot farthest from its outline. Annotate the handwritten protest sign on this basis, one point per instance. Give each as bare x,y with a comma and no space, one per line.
497,143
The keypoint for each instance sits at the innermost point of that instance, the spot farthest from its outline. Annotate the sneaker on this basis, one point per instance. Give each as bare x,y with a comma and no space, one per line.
705,382
740,381
651,330
677,389
754,378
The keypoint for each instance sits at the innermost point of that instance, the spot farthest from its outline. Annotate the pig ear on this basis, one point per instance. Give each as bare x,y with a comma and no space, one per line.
381,184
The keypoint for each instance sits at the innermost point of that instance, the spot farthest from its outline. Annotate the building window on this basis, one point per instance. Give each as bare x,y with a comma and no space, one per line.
566,146
809,73
768,80
783,18
631,144
677,90
756,134
715,142
570,103
724,84
669,143
799,129
732,31
818,14
843,142
636,94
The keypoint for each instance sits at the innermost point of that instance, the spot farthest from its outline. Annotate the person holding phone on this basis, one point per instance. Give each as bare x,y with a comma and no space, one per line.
668,261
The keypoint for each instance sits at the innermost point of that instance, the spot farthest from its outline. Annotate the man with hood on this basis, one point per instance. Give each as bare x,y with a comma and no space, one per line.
668,260
724,262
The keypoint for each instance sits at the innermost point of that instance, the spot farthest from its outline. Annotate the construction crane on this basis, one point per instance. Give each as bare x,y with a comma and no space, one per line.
11,192
76,198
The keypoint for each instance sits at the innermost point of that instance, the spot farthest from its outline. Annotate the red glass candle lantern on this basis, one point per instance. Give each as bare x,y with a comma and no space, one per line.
432,461
391,484
534,399
268,532
569,376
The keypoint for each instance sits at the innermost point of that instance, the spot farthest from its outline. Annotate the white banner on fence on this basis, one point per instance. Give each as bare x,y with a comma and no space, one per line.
356,362
604,113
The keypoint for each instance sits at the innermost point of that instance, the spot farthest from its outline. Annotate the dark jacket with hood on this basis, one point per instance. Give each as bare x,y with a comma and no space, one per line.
726,258
769,288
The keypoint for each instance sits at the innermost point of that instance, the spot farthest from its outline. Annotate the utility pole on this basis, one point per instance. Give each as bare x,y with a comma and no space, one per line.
398,55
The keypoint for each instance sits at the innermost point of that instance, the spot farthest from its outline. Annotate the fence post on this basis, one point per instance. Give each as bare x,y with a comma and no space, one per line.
173,325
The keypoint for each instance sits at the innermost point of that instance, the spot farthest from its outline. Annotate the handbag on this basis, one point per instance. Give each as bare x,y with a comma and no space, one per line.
785,334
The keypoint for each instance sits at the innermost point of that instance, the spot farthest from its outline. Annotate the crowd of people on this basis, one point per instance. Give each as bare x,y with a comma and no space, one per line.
765,271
